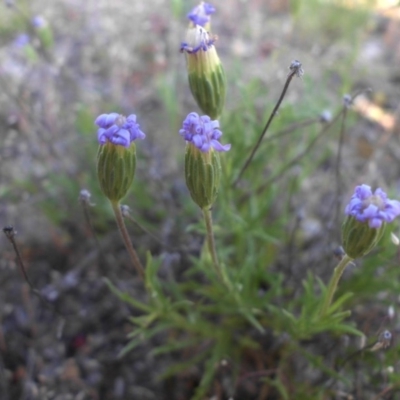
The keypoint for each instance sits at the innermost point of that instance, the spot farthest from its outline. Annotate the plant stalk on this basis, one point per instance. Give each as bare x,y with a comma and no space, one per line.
211,243
333,283
271,117
127,241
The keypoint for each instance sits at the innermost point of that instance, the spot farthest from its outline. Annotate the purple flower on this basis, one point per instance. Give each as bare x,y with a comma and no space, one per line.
21,40
374,208
117,129
38,22
202,132
200,15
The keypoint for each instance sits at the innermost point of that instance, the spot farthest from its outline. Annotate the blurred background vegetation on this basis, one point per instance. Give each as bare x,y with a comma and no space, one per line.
277,231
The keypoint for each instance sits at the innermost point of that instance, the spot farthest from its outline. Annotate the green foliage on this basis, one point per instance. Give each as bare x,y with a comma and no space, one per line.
260,299
210,320
323,17
177,8
166,85
11,22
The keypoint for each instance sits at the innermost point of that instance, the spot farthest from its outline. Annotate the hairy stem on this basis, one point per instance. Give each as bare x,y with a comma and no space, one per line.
127,241
333,283
211,243
293,72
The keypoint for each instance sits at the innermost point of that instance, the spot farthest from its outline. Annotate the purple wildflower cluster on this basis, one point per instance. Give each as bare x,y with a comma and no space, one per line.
117,129
374,208
200,15
202,132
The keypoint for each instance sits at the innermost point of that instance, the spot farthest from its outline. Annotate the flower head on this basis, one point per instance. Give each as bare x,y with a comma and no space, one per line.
43,32
21,40
38,22
203,133
205,72
117,129
116,157
202,163
200,15
367,215
374,208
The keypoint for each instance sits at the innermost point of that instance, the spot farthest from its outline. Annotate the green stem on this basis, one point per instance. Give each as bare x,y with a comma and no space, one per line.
211,243
127,241
271,117
337,273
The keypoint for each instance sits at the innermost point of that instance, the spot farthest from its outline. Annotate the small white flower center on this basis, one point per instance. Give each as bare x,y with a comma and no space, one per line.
376,201
196,36
120,121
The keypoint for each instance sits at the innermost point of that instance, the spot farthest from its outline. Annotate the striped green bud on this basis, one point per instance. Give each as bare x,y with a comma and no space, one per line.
116,169
203,174
205,72
358,238
367,212
44,32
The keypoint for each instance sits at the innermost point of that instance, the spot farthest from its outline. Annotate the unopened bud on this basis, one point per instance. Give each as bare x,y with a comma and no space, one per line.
205,72
43,31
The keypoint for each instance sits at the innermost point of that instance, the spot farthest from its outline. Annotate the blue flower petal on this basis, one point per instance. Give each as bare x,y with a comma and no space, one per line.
125,136
374,208
101,137
101,120
202,132
117,129
200,15
219,147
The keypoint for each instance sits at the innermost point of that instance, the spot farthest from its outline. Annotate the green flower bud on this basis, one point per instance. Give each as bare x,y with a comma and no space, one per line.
202,173
44,32
116,169
358,238
206,74
116,158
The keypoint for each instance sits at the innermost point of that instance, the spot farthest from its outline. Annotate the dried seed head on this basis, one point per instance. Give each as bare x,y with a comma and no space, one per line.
9,231
84,197
295,67
125,210
325,117
347,100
